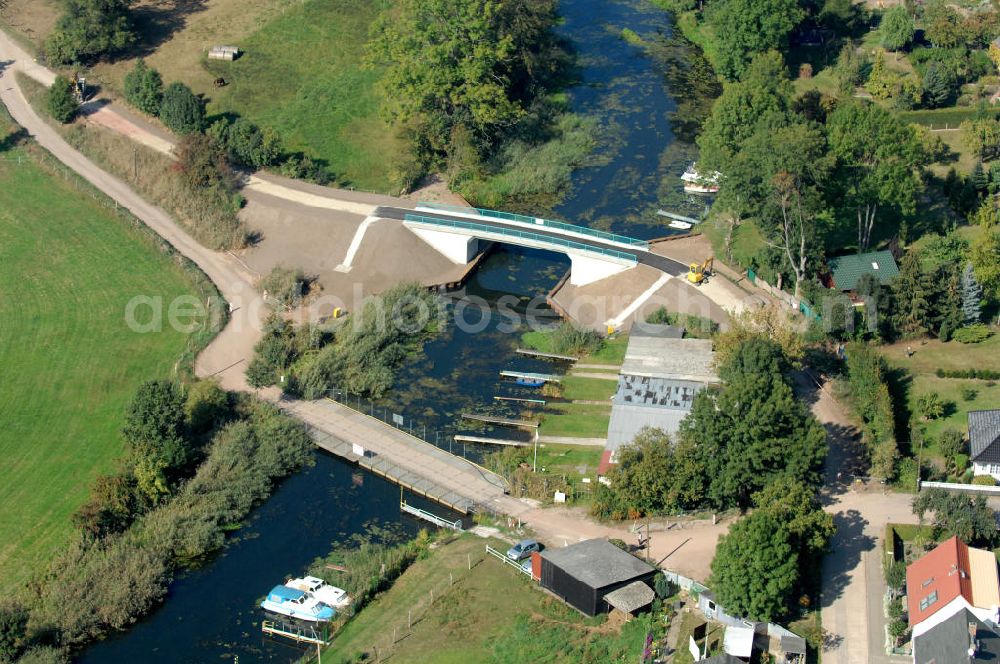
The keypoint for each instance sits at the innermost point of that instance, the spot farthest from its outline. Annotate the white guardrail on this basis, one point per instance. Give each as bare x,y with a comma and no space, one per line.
970,488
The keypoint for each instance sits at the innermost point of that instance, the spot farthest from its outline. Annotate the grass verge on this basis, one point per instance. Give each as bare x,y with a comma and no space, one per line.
576,419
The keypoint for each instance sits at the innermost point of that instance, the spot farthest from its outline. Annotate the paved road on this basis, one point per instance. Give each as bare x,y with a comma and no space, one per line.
661,263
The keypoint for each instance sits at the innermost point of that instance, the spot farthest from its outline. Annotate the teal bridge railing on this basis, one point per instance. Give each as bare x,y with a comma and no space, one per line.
547,223
524,235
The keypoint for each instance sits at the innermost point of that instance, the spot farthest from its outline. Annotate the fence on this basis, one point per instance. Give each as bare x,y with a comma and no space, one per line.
521,235
970,488
547,223
776,293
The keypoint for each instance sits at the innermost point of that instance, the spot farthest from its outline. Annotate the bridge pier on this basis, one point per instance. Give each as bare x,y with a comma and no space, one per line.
586,270
459,249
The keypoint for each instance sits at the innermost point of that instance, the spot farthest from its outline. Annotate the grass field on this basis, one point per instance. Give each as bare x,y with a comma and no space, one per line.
68,267
302,75
576,419
473,621
930,356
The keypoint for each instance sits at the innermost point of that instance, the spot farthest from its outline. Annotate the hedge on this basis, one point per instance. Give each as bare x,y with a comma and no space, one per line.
978,374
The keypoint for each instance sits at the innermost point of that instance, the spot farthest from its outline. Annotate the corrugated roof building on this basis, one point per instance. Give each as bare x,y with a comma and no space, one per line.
845,271
658,381
587,573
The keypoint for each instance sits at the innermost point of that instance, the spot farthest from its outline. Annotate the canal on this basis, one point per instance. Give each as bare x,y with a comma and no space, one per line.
211,614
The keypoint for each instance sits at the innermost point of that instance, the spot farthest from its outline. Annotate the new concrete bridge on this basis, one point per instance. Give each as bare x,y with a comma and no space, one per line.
594,255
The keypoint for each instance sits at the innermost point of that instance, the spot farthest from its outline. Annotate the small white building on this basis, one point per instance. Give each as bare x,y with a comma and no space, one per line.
984,442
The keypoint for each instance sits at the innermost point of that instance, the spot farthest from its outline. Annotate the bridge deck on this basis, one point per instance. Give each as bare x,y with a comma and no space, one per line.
399,457
661,263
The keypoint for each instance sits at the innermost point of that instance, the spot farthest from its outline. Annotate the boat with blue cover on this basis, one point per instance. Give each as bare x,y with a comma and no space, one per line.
297,604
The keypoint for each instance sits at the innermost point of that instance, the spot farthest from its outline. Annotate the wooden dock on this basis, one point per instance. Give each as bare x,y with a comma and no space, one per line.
502,421
540,402
399,457
548,378
510,442
547,356
438,521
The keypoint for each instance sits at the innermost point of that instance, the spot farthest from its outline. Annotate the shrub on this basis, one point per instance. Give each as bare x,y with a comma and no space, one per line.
694,326
951,442
568,339
203,163
969,393
972,334
144,88
930,406
13,624
866,371
895,610
897,628
61,102
206,405
286,285
895,576
979,374
247,144
984,480
181,110
663,586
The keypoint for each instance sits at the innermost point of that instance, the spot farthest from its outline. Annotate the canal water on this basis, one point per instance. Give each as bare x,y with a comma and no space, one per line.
211,614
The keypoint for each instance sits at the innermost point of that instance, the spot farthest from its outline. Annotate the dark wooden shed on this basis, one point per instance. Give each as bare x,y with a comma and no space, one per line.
583,574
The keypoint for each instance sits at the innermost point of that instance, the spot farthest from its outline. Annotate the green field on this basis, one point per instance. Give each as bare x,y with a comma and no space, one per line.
576,419
68,266
930,356
473,620
302,75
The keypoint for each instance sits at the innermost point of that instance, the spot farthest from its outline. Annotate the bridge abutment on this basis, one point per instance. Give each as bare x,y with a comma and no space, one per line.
459,249
586,270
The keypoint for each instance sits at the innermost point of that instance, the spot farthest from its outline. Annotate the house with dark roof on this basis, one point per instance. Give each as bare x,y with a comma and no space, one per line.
595,576
846,271
952,575
960,637
984,442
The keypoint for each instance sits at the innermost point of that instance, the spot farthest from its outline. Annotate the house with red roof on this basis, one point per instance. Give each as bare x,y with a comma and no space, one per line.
951,578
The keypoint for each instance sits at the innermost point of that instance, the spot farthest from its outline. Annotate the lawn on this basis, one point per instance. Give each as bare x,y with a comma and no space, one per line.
576,419
68,268
302,75
930,356
470,621
590,389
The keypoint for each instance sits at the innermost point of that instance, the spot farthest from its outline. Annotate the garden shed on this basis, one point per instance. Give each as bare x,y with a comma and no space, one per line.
587,573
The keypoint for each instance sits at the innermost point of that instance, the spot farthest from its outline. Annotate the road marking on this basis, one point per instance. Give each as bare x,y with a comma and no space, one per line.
359,236
639,301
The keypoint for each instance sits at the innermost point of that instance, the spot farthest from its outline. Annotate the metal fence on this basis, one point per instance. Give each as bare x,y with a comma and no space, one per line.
548,223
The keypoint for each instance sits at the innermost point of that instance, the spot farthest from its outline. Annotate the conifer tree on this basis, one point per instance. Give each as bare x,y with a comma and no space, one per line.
972,296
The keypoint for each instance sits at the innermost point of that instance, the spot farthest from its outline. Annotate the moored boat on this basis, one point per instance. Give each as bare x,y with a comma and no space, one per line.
321,590
297,604
696,183
530,382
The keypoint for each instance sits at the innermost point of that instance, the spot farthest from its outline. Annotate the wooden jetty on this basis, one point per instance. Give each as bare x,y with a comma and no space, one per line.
540,402
299,634
678,217
491,441
547,356
503,421
548,378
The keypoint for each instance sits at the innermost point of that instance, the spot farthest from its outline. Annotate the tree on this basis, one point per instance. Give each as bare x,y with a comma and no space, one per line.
247,144
760,101
155,434
13,627
848,69
913,291
982,136
939,85
794,504
942,25
896,28
144,88
181,110
878,157
930,406
743,28
202,163
753,431
985,257
972,296
61,100
755,569
978,177
462,63
89,29
968,517
769,322
951,442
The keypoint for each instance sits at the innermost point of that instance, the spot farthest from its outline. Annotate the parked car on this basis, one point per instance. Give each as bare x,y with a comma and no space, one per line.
526,566
523,549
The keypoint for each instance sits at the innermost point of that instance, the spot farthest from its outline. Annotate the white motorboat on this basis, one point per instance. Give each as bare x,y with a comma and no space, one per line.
696,183
321,590
679,225
297,604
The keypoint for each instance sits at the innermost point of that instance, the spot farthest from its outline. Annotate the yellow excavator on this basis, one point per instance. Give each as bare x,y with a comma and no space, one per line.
698,273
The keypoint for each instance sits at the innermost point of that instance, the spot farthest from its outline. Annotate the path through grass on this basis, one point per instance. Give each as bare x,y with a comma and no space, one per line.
68,267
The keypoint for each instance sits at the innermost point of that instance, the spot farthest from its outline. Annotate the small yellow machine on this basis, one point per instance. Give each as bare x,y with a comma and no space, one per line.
698,273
